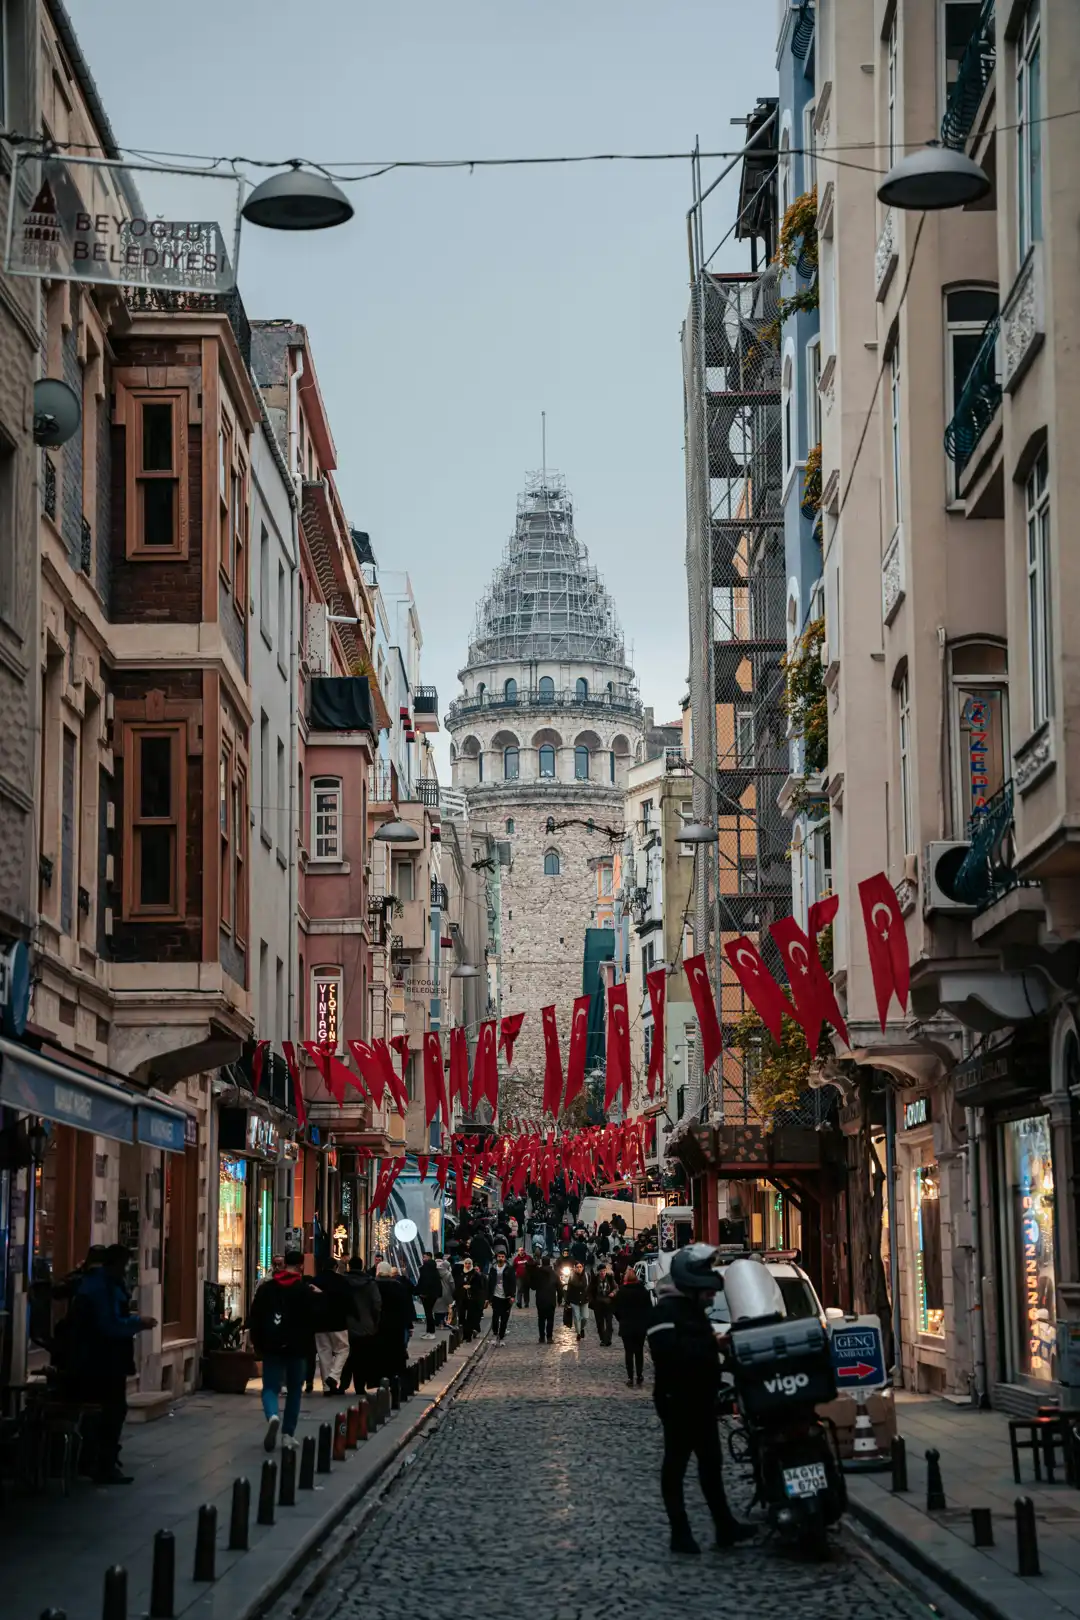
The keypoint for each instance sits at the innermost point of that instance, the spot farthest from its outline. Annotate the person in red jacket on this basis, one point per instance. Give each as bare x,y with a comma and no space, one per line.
521,1271
282,1323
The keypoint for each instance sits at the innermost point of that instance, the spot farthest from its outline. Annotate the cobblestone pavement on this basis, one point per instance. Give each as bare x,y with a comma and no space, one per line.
536,1494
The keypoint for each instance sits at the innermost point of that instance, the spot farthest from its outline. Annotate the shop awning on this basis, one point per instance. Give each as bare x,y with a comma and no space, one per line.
37,1084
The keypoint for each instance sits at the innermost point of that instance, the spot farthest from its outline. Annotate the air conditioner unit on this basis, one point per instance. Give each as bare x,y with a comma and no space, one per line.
941,863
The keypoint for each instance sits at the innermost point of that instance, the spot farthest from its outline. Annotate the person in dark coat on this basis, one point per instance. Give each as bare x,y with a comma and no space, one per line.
579,1248
480,1251
602,1298
282,1322
632,1307
361,1323
331,1336
577,1297
386,1354
470,1298
501,1291
428,1289
545,1286
100,1346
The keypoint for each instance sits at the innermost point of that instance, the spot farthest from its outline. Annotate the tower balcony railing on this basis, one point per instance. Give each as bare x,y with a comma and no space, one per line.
624,703
974,74
979,399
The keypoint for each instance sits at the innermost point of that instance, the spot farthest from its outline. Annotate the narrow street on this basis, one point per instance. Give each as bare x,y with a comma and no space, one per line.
535,1494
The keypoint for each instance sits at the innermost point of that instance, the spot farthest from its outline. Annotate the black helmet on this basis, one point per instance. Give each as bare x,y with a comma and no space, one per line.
692,1269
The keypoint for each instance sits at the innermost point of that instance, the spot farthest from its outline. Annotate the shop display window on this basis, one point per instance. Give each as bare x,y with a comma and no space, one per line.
929,1286
232,1214
1030,1244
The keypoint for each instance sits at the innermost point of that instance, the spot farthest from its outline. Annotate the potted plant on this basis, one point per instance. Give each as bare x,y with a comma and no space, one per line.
227,1364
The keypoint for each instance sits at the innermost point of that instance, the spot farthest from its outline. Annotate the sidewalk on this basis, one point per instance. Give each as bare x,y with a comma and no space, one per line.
54,1551
976,1471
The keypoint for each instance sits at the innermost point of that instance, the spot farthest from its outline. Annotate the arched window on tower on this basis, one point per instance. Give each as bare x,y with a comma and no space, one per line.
581,690
581,764
546,689
549,825
511,764
547,763
480,690
551,863
510,689
509,824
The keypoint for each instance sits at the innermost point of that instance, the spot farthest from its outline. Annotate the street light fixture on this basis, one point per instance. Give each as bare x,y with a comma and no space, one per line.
397,832
934,177
297,200
465,970
696,832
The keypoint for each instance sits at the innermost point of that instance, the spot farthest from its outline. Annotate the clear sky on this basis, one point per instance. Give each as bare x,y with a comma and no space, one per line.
456,307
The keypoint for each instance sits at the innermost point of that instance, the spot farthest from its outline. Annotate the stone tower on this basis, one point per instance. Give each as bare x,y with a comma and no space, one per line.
546,726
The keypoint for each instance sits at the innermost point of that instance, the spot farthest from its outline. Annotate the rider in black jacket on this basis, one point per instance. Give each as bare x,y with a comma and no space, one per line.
687,1379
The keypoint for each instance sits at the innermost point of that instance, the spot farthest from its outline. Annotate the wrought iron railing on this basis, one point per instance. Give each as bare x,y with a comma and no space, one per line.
979,399
170,300
803,32
48,485
617,702
439,895
975,71
426,700
987,871
426,791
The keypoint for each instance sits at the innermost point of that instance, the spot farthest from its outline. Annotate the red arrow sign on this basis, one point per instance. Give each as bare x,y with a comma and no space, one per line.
861,1369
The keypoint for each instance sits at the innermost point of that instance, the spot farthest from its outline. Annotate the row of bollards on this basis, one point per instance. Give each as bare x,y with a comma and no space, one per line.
982,1524
277,1488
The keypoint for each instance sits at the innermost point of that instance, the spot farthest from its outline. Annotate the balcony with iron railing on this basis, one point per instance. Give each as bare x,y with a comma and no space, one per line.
979,399
171,301
974,74
988,870
622,703
440,897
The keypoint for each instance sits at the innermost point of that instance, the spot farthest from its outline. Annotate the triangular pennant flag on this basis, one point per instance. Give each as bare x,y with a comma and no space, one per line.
320,1053
618,1046
293,1067
459,1066
400,1043
257,1058
656,982
371,1069
553,1073
579,1043
486,1067
394,1084
761,988
886,939
701,993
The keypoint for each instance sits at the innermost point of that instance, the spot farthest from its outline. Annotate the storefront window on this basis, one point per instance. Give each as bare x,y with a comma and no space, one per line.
232,1199
929,1291
1030,1174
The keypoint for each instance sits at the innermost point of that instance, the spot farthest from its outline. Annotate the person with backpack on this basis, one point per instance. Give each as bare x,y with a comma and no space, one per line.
633,1309
102,1332
546,1289
361,1323
282,1323
602,1299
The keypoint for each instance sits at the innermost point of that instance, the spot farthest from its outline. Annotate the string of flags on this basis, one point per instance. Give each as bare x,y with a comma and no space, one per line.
811,1002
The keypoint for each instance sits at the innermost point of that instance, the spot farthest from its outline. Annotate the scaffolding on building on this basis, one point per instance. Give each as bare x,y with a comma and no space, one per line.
546,600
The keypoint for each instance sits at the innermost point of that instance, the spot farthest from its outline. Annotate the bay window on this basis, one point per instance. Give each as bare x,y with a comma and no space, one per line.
156,457
326,818
154,796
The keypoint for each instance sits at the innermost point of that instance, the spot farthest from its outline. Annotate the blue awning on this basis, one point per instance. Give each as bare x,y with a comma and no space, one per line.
37,1084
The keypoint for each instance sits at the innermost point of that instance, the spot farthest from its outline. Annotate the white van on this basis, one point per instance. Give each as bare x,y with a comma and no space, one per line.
638,1217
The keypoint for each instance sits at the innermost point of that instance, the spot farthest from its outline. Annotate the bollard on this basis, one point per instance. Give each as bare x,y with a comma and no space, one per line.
307,1463
386,1398
898,1453
240,1517
982,1527
340,1436
363,1417
114,1601
287,1493
352,1427
395,1394
205,1543
1027,1541
267,1493
935,1490
163,1577
326,1436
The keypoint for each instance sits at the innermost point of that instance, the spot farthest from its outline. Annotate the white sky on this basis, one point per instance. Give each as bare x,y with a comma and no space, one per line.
455,307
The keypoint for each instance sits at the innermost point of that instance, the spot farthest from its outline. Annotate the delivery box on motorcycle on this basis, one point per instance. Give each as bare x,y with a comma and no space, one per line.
781,1365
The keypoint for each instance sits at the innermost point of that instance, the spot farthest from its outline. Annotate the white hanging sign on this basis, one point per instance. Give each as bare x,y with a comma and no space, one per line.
126,224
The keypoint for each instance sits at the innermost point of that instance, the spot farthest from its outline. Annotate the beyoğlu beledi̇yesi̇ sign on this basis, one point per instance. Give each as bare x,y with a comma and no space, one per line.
97,219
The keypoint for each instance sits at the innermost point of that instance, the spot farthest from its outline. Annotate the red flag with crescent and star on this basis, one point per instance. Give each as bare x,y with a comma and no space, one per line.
553,1072
293,1067
434,1079
486,1067
333,1071
509,1030
618,1046
656,982
400,1043
370,1068
761,988
579,1041
701,992
257,1059
811,989
459,1066
394,1084
886,939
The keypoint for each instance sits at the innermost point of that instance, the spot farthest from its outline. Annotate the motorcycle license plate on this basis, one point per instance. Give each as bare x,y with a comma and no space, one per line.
806,1480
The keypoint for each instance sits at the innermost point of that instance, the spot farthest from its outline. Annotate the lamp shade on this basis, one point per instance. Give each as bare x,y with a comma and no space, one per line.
934,177
397,832
465,970
297,200
696,832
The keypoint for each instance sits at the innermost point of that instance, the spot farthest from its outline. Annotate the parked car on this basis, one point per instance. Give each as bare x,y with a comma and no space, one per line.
799,1294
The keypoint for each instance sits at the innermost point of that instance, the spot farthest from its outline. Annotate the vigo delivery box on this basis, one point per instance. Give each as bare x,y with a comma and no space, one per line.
783,1364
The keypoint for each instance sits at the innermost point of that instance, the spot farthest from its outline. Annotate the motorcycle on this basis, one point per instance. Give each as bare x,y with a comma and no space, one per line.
782,1369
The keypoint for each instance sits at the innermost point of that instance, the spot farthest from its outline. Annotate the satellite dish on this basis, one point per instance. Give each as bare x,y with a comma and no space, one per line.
406,1231
57,412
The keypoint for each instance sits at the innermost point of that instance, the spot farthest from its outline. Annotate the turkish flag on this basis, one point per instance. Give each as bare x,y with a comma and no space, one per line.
811,988
294,1075
400,1043
761,988
553,1071
370,1071
390,1076
701,991
656,982
332,1071
886,939
509,1030
459,1065
579,1041
434,1079
257,1064
618,1046
422,1165
486,1067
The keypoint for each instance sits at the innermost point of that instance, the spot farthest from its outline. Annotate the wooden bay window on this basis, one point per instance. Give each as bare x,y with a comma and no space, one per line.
157,496
154,802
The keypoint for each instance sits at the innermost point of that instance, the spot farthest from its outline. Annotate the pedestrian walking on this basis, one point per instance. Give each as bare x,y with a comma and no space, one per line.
546,1291
331,1336
361,1323
577,1297
522,1268
282,1323
445,1302
502,1288
100,1346
428,1291
604,1290
480,1250
687,1366
471,1295
632,1309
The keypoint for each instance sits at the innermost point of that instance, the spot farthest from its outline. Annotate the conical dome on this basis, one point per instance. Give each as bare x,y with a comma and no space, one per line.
545,600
